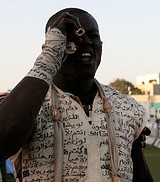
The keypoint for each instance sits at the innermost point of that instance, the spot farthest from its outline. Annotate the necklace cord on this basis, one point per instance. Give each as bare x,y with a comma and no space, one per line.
59,134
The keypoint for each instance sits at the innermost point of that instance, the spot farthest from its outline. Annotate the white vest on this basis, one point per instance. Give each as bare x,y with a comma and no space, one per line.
85,140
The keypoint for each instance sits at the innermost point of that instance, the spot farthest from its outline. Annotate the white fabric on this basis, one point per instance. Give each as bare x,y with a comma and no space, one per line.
83,141
49,61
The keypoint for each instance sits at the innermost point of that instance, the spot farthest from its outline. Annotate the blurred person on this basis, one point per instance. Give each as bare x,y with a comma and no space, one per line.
60,124
0,176
3,175
9,171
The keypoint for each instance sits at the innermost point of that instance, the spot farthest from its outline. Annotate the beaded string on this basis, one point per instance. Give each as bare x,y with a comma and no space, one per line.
111,136
59,139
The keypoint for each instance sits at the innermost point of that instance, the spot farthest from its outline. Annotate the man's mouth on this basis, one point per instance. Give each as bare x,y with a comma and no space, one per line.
86,58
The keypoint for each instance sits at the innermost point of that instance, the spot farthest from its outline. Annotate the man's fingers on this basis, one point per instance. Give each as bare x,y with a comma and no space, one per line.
68,23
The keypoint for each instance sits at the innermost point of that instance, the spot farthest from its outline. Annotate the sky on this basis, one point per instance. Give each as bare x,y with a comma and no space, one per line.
130,31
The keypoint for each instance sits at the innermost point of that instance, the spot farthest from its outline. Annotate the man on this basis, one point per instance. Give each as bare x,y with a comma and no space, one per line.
3,175
61,123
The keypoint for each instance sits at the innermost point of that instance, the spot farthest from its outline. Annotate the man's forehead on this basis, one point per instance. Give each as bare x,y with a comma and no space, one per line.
84,17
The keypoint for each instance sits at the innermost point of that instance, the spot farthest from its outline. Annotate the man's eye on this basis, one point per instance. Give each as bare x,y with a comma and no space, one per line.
94,36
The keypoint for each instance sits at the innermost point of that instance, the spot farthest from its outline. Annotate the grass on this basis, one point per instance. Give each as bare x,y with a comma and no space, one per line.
11,179
152,155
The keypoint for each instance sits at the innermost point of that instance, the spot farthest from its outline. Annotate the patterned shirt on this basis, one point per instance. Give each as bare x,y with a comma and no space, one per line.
86,153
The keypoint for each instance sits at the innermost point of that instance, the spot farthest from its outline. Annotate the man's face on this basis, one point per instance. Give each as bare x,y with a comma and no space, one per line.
82,65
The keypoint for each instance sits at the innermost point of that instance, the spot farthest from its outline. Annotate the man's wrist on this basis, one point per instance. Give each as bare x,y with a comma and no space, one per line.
49,61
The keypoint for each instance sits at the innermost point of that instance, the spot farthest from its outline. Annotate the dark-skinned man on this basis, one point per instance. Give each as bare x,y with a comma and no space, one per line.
60,124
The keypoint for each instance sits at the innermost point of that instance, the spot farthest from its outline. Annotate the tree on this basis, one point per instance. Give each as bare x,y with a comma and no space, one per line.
125,87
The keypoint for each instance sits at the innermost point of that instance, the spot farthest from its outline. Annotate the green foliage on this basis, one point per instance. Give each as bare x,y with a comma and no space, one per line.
125,87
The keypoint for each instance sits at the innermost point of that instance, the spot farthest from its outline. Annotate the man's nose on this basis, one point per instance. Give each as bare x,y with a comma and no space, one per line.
85,40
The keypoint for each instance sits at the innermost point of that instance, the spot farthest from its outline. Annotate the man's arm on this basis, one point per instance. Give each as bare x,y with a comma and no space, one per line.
18,112
20,108
141,171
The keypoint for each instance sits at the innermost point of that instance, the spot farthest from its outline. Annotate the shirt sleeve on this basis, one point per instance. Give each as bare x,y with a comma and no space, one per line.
140,115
